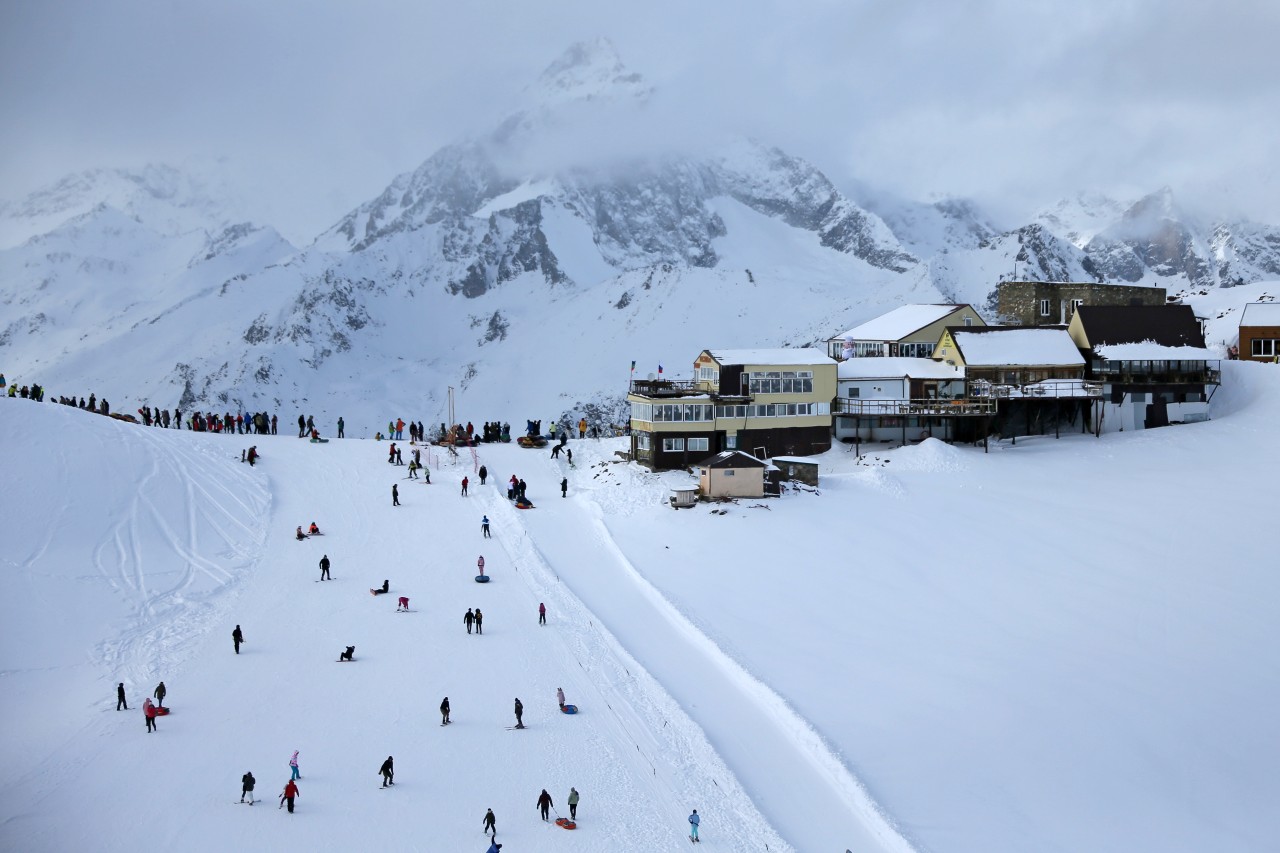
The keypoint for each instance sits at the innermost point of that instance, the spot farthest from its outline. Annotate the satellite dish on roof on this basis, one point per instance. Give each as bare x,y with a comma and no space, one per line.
652,377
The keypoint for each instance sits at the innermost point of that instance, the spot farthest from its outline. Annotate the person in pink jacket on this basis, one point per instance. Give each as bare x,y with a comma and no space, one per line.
480,564
149,711
293,767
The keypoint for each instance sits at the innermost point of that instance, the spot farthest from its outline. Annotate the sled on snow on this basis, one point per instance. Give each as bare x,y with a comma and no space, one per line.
531,441
565,823
319,441
162,712
569,709
482,578
523,503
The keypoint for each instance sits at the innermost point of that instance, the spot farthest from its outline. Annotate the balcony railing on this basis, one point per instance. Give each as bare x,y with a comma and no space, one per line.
963,407
665,387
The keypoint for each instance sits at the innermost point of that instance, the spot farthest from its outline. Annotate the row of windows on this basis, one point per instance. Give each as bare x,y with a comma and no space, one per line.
677,445
669,412
779,382
774,410
707,374
916,350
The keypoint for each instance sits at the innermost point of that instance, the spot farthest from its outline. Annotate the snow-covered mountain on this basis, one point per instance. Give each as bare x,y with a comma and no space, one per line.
502,257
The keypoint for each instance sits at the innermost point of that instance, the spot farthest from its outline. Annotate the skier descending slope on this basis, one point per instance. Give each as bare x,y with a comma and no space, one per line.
246,786
388,772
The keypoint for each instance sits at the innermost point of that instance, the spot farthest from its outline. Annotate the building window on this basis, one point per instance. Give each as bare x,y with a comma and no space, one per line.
672,445
699,444
708,374
917,350
854,393
729,472
1075,304
968,321
1263,347
1044,307
642,441
730,442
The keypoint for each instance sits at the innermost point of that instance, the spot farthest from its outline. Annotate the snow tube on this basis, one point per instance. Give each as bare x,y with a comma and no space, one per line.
565,823
531,441
162,712
569,709
319,441
482,578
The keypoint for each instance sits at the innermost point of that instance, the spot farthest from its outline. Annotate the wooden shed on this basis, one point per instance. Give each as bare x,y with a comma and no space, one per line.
797,469
732,474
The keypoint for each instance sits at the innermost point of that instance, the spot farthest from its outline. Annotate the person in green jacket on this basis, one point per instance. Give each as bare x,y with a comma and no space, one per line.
341,427
573,803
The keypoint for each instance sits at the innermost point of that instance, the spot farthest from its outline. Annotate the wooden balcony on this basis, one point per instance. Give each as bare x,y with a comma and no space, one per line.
931,408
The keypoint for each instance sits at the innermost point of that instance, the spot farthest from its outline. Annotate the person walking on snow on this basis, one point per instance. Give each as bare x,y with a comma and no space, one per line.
160,694
469,619
120,701
568,453
464,486
246,786
582,428
341,428
444,712
694,820
564,487
544,803
520,716
479,621
293,767
395,495
290,791
490,824
573,804
149,711
237,637
484,527
483,472
388,772
324,568
542,613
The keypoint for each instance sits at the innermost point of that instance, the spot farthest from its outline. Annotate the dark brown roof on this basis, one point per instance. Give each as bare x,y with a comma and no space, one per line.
1167,325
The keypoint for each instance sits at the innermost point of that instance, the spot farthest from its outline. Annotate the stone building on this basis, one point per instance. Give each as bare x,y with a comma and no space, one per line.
1054,303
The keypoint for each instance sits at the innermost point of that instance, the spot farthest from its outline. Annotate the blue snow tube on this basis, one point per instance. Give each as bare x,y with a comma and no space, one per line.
482,578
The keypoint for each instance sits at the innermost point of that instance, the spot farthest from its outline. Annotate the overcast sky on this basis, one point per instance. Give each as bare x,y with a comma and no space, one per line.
317,105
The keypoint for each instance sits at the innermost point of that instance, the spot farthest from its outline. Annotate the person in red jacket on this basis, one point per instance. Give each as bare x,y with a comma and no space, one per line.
465,481
290,791
149,711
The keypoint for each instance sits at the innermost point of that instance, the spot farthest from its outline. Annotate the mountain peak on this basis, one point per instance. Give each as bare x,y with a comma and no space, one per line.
588,70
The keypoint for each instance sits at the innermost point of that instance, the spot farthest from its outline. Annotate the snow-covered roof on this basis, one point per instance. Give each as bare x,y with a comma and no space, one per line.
1027,347
1147,350
899,322
893,368
1261,314
733,459
802,460
779,356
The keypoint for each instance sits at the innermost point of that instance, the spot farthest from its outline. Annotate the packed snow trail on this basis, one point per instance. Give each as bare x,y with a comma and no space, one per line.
793,776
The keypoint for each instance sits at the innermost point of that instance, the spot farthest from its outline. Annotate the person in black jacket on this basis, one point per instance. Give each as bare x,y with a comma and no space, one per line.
237,638
388,772
444,712
120,702
246,787
544,803
324,568
520,715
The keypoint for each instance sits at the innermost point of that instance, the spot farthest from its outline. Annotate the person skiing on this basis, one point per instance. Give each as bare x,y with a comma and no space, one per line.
149,711
564,487
573,804
413,469
560,697
490,823
480,565
246,786
290,791
388,772
544,803
293,767
237,637
542,613
479,621
464,486
444,712
160,694
694,820
483,472
484,527
341,428
324,568
395,495
519,716
402,604
469,619
120,701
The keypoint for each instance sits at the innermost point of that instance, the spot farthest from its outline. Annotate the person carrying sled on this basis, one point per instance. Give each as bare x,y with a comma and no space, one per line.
290,791
544,803
237,637
160,694
444,712
293,763
246,786
469,619
490,823
388,772
520,716
324,568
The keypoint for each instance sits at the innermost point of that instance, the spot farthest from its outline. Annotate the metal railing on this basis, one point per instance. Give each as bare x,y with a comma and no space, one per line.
963,407
665,387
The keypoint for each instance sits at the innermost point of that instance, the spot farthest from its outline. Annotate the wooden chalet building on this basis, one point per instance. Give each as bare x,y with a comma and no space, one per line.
1260,332
732,474
910,331
1151,361
763,401
906,399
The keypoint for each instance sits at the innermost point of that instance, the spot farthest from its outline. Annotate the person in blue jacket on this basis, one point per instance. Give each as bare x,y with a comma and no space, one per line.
694,820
